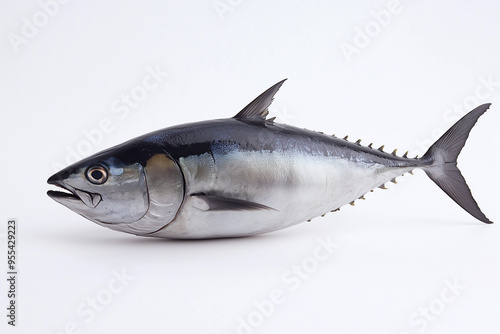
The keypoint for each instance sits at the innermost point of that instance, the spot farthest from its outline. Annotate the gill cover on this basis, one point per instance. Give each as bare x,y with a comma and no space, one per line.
165,185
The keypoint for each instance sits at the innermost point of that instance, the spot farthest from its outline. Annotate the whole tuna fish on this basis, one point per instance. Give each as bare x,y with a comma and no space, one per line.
243,176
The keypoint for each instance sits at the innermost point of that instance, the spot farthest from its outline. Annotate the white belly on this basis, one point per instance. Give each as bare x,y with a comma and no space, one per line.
299,187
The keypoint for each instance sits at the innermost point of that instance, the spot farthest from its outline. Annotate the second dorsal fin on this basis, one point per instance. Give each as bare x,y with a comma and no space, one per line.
258,107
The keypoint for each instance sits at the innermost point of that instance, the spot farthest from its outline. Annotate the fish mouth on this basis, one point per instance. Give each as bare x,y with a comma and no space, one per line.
72,195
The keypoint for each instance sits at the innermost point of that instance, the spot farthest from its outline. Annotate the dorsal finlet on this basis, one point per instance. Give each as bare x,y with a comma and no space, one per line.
258,107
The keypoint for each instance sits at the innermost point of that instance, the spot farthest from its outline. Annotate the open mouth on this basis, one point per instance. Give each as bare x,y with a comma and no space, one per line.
62,195
72,194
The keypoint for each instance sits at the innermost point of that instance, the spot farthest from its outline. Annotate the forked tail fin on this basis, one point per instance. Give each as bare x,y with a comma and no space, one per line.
443,169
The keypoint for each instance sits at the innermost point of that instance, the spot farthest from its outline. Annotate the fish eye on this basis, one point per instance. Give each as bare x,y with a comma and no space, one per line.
97,174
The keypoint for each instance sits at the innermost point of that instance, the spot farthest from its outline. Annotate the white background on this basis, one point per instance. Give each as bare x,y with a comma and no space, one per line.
396,250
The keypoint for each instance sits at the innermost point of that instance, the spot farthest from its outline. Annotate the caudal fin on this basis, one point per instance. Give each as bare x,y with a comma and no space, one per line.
443,169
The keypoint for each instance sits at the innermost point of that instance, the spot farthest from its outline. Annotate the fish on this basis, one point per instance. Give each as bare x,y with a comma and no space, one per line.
245,175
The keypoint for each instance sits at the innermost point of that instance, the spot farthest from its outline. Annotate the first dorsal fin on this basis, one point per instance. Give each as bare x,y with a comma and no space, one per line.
258,107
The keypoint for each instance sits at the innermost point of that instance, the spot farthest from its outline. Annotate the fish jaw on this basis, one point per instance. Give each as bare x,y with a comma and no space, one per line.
73,198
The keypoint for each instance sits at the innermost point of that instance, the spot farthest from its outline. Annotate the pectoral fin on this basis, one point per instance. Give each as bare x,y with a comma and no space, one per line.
218,203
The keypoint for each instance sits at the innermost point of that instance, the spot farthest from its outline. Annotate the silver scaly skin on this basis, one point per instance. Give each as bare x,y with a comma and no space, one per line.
243,176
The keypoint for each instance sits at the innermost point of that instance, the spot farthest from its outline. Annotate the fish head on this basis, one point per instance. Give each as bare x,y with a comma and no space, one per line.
108,187
131,188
